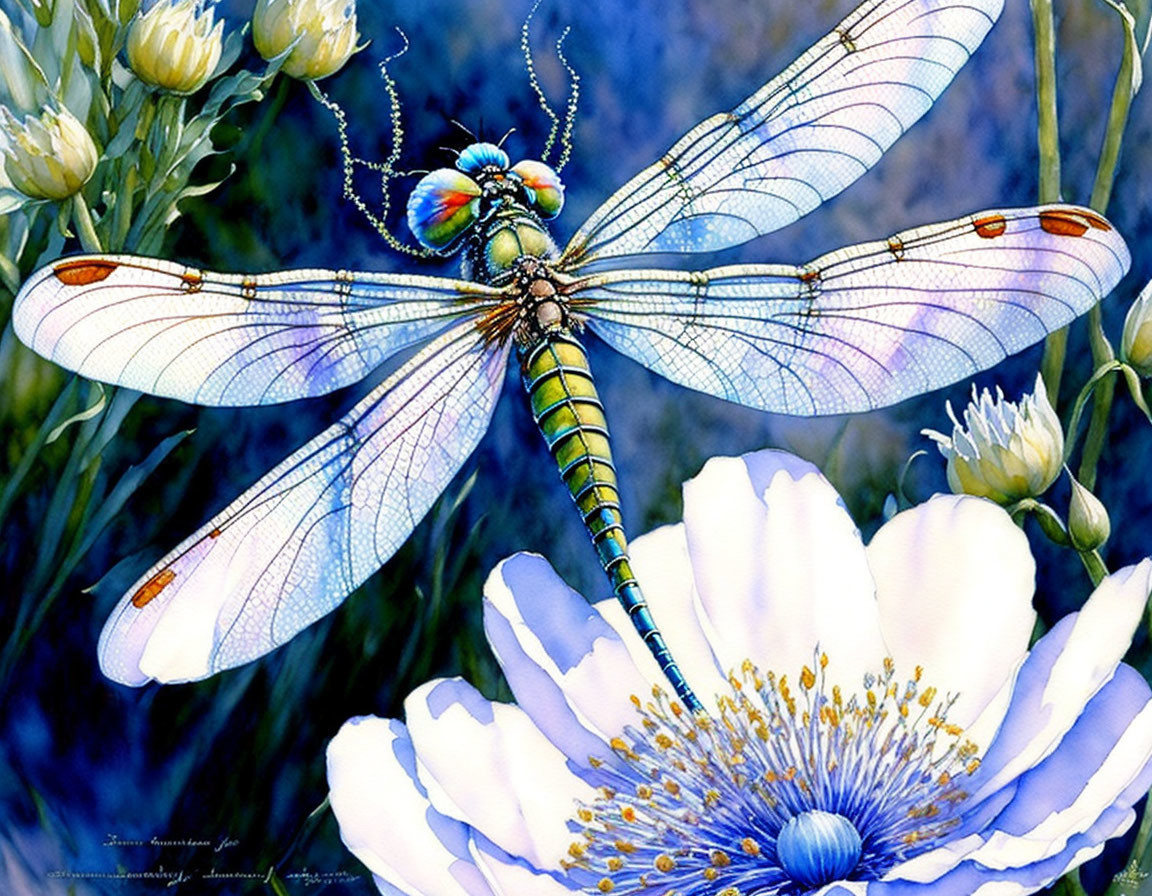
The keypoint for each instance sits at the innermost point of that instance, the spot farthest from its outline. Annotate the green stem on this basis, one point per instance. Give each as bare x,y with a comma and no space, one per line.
85,227
1081,402
1048,142
1069,884
1094,563
1114,135
1097,433
1101,192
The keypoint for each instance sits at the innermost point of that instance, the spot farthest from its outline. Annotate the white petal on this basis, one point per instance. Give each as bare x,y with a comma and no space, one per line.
780,568
486,764
1094,640
509,877
385,818
954,582
1103,761
663,567
569,669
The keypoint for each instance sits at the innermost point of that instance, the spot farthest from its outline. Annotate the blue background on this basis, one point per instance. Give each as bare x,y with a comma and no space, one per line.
240,757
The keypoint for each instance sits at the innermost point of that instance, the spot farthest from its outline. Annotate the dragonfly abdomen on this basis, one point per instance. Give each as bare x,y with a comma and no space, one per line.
567,409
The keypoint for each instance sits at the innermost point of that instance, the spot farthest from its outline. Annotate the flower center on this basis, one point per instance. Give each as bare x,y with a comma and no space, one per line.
778,792
817,847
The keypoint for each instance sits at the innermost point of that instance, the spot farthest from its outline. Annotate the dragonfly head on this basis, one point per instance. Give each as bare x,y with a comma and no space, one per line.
448,201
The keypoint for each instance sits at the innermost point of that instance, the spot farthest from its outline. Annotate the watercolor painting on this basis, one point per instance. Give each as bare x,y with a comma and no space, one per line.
318,317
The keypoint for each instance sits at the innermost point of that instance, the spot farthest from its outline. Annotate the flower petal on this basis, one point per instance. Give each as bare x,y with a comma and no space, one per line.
954,582
1064,670
1103,761
973,879
780,567
664,568
510,876
486,764
569,669
385,818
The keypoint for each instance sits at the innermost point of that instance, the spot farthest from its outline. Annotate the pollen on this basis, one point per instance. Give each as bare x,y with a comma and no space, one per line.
854,780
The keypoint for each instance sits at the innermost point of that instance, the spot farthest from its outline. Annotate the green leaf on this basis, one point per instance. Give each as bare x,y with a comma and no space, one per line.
86,414
125,487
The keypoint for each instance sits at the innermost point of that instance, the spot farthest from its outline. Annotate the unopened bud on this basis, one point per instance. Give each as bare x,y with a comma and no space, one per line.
1088,524
176,45
50,157
1136,342
322,34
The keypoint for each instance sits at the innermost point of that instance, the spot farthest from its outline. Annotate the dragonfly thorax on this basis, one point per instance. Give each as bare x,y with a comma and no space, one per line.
538,306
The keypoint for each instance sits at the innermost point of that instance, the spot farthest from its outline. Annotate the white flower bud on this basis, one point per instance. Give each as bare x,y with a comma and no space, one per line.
176,45
50,157
1003,451
324,33
1136,343
1088,524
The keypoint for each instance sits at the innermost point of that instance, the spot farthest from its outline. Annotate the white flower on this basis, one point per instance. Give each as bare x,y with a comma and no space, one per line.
50,157
176,45
1136,341
1003,451
323,31
594,782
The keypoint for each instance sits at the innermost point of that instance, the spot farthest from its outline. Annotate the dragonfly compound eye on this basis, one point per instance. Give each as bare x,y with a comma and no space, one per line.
442,206
542,184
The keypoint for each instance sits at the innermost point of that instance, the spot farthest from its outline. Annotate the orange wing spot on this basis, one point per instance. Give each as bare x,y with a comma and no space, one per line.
248,287
215,533
1059,222
810,275
192,281
83,272
990,226
150,589
1095,220
896,247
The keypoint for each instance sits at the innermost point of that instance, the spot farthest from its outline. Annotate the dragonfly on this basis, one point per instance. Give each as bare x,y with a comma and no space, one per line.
855,329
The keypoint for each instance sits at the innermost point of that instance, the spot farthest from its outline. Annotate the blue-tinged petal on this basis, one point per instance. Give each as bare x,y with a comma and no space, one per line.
512,876
1064,670
486,764
761,530
570,670
1104,760
385,818
662,563
954,582
442,206
971,878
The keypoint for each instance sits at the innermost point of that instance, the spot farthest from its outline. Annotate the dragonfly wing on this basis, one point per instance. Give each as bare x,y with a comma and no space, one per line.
225,339
865,326
799,140
294,545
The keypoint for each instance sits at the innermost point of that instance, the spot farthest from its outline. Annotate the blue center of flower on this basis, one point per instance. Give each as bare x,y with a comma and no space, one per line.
817,847
782,790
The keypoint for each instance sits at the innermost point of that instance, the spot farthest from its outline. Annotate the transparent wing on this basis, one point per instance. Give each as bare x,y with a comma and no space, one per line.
224,339
865,326
294,545
799,140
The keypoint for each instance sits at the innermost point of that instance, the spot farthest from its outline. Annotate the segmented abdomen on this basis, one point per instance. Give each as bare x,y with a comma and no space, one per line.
568,411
